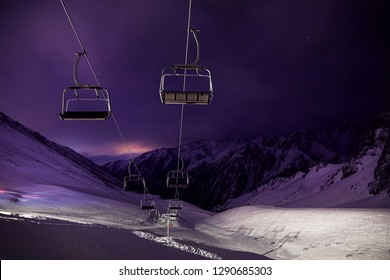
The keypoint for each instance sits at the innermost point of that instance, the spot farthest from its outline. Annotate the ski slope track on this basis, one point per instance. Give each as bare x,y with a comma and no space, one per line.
55,204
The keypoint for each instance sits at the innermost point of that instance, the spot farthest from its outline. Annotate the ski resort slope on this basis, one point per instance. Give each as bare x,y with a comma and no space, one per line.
247,232
55,204
54,222
291,233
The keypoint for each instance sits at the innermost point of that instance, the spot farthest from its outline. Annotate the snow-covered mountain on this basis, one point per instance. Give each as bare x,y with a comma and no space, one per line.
362,181
220,171
55,204
28,158
381,138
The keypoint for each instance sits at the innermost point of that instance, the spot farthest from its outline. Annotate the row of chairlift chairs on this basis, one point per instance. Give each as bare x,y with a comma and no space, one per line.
134,182
179,179
74,107
76,97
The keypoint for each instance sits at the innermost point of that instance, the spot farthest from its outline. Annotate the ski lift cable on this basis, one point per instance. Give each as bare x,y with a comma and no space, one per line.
97,80
184,82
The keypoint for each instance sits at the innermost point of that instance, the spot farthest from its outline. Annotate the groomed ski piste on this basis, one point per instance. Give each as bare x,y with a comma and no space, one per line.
55,204
116,229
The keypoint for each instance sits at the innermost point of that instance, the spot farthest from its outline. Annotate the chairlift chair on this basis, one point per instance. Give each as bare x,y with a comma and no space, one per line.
175,204
177,179
147,204
194,71
134,182
74,97
173,215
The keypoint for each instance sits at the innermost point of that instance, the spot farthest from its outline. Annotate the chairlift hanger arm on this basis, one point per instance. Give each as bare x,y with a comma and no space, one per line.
195,34
75,68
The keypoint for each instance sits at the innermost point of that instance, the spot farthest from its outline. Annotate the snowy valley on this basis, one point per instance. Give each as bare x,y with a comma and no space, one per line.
306,196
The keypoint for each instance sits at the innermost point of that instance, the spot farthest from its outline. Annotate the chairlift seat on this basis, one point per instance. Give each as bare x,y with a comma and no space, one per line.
85,115
71,96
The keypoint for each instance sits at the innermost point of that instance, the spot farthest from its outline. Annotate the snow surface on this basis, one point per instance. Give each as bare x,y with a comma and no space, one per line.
304,233
321,186
55,205
247,232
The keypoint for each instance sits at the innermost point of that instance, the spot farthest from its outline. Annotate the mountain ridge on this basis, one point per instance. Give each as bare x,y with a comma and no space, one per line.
223,170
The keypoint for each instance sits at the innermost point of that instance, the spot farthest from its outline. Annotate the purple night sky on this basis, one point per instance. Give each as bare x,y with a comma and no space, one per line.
277,66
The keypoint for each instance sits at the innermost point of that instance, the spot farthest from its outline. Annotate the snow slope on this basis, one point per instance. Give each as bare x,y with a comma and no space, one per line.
305,233
43,182
360,182
321,186
54,204
222,170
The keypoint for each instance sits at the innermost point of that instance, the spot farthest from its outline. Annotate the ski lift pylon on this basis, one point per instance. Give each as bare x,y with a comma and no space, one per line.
199,96
79,95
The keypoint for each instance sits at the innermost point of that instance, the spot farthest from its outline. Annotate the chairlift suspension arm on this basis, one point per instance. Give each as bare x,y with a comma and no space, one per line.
195,34
75,68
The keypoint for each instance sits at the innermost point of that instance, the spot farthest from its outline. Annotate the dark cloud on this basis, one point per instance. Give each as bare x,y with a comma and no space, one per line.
277,66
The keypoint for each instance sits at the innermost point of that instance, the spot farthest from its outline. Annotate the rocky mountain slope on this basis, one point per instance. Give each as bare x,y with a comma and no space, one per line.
221,171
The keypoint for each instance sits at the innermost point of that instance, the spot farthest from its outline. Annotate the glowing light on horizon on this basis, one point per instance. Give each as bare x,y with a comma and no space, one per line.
113,149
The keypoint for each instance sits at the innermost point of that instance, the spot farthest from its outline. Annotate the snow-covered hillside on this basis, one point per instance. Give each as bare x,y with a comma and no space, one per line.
303,233
362,181
54,204
346,166
27,157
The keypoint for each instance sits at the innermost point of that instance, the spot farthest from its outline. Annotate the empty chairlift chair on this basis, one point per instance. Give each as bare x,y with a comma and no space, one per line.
173,215
186,83
178,179
133,182
85,102
147,204
175,204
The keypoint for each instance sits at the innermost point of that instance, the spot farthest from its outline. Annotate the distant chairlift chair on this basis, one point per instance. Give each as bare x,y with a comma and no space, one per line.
193,71
175,204
134,182
147,204
80,95
178,178
173,215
